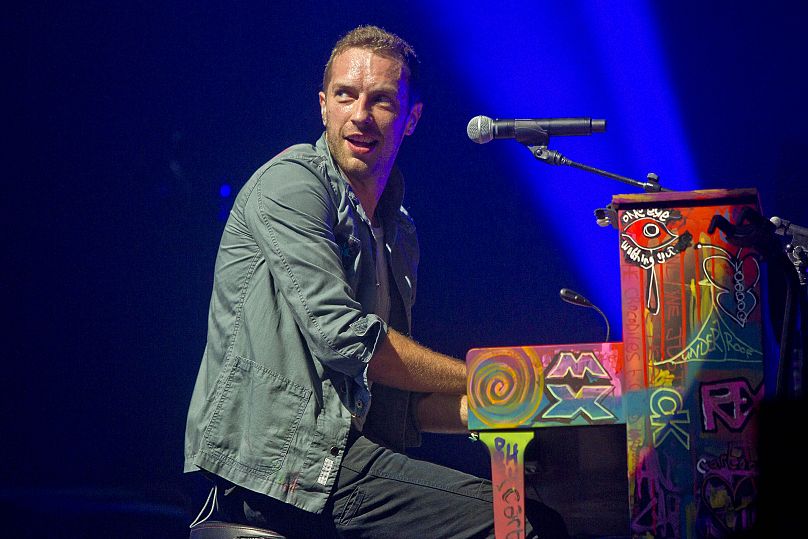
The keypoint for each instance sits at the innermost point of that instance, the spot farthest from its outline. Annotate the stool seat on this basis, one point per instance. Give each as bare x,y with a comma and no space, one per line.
216,529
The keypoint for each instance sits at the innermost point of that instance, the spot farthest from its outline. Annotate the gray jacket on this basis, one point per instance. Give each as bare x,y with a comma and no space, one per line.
290,332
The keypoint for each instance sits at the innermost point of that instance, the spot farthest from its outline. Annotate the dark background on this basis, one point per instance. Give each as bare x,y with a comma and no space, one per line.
127,124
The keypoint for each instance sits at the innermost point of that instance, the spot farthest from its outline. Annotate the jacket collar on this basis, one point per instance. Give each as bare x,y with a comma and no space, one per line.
392,196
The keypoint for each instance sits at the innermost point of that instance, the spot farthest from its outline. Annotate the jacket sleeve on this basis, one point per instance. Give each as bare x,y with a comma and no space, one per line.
292,215
393,419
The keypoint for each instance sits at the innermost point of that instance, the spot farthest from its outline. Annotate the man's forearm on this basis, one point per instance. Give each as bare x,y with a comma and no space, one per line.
402,363
447,414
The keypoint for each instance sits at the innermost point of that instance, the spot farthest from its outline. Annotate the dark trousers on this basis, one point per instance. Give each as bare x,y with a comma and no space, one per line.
383,494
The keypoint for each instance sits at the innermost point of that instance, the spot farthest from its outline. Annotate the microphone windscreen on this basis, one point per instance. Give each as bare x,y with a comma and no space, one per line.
480,129
571,296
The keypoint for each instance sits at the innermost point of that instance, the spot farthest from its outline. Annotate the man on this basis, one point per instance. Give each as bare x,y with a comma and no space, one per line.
310,388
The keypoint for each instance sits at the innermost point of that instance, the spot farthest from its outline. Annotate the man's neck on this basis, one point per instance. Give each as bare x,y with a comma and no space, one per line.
369,192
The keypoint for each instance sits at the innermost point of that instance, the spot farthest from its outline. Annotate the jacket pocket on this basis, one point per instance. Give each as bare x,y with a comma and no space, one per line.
256,418
352,506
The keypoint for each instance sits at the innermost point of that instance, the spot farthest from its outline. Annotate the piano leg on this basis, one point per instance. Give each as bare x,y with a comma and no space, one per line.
507,450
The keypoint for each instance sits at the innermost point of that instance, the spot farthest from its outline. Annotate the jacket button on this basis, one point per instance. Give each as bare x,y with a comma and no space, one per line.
334,450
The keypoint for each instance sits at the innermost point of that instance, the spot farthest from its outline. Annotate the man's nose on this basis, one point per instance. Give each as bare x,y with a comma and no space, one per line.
361,110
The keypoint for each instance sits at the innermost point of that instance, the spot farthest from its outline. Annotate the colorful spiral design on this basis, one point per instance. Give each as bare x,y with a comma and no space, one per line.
506,386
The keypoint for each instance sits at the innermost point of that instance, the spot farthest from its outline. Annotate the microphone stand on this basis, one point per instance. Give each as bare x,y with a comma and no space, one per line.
796,251
552,157
604,216
797,248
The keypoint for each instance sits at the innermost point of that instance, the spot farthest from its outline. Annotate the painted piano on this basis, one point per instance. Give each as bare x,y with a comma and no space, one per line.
686,381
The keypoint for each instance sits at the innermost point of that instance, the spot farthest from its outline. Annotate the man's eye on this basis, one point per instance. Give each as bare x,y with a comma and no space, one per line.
385,100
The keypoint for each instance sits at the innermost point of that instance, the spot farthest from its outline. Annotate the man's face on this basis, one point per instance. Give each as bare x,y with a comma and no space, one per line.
366,113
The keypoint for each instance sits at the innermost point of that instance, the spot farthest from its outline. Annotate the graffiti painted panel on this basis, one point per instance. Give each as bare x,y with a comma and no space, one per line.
527,387
687,380
507,451
692,313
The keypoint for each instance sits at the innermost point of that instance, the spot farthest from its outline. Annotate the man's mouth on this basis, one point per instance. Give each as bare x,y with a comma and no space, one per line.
361,144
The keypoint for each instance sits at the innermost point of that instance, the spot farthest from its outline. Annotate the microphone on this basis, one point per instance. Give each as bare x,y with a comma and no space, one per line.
787,228
571,296
482,129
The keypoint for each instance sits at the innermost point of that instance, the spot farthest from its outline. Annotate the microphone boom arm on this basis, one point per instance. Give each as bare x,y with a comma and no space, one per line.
552,157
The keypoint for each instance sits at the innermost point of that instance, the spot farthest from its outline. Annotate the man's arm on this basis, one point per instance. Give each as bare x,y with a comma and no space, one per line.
291,216
402,363
447,414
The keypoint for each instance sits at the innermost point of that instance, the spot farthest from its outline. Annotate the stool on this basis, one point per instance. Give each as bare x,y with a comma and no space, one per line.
204,528
215,529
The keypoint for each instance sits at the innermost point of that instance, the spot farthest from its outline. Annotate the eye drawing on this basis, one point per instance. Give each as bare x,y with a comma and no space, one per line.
649,233
646,242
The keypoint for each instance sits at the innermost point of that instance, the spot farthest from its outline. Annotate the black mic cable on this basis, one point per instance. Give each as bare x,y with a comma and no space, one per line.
571,296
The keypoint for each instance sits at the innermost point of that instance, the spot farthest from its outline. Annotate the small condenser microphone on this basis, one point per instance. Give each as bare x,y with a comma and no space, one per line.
571,296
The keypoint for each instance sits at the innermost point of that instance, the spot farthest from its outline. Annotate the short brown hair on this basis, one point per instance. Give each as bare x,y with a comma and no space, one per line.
381,42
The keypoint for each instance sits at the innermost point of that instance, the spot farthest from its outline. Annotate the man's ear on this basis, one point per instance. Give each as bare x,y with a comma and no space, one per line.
412,119
322,106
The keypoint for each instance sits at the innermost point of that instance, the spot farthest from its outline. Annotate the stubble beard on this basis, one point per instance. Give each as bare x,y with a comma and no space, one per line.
354,168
